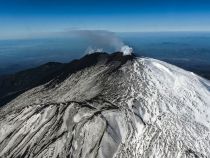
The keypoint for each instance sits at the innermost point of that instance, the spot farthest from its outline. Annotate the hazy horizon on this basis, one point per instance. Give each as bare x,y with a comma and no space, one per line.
180,48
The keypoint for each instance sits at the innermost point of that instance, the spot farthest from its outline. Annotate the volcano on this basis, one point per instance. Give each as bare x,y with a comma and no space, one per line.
109,105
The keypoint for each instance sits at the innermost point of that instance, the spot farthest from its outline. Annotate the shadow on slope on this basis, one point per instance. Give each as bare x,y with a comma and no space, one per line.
13,85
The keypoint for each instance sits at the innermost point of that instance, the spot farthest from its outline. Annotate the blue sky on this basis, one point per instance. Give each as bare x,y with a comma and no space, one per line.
26,18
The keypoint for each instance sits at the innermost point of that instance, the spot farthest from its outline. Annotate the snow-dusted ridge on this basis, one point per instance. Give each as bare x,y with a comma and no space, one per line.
139,108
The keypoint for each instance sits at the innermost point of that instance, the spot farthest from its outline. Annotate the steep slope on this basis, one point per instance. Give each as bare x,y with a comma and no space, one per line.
13,85
120,106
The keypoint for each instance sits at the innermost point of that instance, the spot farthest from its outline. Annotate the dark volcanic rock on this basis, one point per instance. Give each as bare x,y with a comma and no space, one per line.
13,85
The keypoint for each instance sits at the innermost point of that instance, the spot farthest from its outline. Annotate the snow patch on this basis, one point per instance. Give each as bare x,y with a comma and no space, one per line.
163,68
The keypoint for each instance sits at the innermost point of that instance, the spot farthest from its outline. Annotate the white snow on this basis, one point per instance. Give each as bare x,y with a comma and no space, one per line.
147,108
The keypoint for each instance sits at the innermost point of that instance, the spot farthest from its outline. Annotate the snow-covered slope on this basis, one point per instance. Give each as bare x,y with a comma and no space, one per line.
141,108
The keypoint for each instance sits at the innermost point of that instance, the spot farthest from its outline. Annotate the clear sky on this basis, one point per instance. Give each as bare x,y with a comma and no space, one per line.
25,18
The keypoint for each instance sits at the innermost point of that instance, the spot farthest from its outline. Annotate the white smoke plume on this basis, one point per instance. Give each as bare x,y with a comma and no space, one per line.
91,50
126,50
102,39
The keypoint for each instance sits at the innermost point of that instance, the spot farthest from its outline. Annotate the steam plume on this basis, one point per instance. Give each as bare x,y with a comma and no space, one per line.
99,39
91,50
126,50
